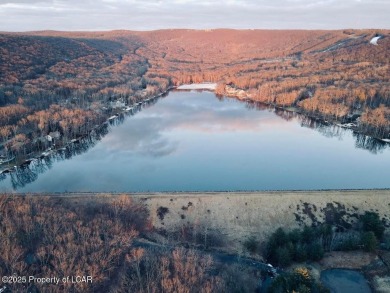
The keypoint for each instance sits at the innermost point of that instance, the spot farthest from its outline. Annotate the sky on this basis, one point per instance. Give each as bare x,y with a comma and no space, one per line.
90,15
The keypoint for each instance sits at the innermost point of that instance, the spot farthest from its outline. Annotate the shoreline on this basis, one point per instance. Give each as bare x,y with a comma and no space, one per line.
211,86
9,167
200,194
244,96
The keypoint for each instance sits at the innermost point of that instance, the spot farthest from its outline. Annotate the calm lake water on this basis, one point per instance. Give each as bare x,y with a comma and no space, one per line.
193,141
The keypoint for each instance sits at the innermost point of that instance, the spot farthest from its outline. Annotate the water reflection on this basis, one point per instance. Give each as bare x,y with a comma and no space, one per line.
362,141
371,144
28,173
167,131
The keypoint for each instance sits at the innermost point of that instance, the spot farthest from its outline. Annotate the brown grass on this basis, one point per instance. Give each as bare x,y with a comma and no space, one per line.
237,216
353,260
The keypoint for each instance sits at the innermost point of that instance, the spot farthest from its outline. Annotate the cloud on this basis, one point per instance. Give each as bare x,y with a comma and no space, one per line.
22,15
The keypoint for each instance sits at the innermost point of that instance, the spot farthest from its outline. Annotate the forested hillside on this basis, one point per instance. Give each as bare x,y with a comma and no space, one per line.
66,84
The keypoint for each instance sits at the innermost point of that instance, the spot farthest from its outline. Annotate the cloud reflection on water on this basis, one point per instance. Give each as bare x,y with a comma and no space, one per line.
193,141
151,132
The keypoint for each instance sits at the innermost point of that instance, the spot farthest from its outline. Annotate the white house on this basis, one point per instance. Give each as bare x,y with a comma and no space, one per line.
52,135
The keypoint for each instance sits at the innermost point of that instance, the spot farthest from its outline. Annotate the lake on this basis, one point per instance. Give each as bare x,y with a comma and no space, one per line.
194,141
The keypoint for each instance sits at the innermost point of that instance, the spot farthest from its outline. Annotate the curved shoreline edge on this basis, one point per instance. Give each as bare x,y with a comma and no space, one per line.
386,191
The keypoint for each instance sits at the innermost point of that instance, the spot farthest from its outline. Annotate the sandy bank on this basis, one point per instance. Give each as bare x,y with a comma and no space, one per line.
198,86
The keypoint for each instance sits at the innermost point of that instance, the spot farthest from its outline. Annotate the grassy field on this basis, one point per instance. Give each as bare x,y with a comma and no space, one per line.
237,216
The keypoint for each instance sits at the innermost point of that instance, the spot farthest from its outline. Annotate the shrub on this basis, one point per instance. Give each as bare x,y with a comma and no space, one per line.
300,253
251,245
351,241
283,256
279,237
387,242
308,234
372,222
161,212
299,280
315,251
297,245
295,236
369,241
